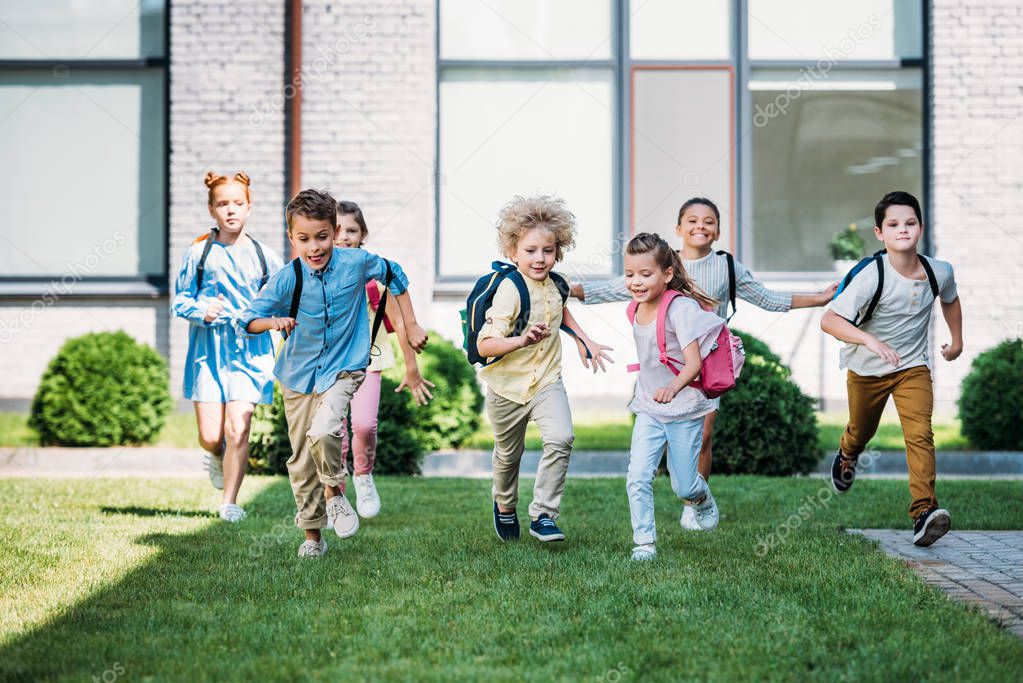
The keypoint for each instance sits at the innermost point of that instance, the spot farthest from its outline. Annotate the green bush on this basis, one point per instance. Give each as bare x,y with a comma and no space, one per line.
454,414
766,425
102,389
269,447
991,401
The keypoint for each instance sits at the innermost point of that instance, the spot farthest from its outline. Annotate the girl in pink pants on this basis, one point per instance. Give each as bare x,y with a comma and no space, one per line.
352,233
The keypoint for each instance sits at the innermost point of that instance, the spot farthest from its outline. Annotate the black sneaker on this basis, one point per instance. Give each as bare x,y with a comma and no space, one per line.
544,529
930,526
843,472
506,524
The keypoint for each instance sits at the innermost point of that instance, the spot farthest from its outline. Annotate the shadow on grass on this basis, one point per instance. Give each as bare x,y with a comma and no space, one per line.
153,512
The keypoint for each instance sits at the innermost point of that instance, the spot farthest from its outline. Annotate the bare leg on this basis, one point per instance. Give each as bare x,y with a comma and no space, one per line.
703,464
210,419
238,420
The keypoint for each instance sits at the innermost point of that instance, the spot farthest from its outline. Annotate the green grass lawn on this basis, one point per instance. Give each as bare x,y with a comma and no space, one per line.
596,432
137,578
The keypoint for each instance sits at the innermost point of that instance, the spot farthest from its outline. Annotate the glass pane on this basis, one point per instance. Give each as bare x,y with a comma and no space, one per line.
681,149
81,29
823,159
525,132
669,29
835,31
84,174
525,29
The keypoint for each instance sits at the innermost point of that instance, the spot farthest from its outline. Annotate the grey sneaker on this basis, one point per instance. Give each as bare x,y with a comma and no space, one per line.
313,548
341,517
644,553
706,512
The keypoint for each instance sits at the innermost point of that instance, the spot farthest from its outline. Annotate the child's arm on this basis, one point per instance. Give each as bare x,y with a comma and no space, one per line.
501,346
692,360
750,289
267,310
376,269
186,303
416,383
602,293
583,342
953,313
843,330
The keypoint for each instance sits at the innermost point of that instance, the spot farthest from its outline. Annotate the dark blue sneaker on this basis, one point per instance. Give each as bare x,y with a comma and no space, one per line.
506,524
544,529
843,472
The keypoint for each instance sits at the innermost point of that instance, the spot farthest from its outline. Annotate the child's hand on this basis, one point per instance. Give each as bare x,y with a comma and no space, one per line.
665,394
828,293
416,336
416,384
951,351
535,334
214,310
597,351
283,324
886,352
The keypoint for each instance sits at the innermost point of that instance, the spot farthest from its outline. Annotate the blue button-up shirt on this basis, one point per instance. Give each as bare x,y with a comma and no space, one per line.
332,334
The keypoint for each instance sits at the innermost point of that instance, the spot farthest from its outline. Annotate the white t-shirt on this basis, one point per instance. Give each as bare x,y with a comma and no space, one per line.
902,317
685,322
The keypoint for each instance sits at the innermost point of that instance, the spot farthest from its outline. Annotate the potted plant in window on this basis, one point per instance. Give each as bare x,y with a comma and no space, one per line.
846,248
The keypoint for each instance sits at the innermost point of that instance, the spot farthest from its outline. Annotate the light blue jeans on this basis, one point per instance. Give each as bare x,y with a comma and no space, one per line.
648,438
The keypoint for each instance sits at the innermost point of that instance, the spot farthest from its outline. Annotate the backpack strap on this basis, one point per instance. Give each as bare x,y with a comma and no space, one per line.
262,262
662,341
525,307
565,289
879,260
200,268
731,280
378,317
931,279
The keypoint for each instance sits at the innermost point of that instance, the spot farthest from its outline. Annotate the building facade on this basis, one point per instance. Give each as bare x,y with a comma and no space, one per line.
794,117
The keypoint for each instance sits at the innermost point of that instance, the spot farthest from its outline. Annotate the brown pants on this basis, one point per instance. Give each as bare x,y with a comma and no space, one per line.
914,401
319,445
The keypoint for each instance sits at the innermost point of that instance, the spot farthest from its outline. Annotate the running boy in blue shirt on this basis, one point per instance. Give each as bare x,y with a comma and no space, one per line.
325,357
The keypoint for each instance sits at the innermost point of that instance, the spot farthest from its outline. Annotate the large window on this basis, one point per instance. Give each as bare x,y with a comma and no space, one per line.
83,139
794,118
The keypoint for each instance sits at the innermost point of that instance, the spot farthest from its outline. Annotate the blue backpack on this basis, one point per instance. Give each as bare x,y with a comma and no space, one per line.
481,298
879,263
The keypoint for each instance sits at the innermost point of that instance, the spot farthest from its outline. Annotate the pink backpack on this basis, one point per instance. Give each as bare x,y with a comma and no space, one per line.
719,370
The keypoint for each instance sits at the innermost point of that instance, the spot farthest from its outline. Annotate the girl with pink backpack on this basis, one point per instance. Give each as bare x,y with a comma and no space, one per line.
675,333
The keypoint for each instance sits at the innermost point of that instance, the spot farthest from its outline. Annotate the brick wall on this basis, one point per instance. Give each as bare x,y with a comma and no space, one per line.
978,187
226,114
368,123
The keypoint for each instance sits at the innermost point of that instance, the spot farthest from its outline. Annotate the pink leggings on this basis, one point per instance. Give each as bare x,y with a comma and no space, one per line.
364,407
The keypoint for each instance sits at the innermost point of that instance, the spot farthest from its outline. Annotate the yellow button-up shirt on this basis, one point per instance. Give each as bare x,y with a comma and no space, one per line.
520,374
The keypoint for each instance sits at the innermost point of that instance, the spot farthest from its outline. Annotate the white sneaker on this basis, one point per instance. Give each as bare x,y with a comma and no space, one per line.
644,553
214,465
341,517
313,549
706,512
229,512
367,500
688,520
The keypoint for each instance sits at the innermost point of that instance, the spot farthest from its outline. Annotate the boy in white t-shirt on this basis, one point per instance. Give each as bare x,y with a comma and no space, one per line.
883,313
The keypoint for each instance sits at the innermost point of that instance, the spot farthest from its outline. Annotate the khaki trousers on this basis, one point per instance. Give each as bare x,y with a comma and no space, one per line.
550,410
319,445
914,400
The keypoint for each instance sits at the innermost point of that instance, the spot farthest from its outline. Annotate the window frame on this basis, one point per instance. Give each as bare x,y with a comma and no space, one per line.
740,67
91,286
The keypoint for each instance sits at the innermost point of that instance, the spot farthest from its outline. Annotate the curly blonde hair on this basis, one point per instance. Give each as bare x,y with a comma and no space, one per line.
522,214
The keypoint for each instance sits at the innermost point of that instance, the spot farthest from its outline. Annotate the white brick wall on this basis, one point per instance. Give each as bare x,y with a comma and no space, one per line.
368,123
978,186
226,115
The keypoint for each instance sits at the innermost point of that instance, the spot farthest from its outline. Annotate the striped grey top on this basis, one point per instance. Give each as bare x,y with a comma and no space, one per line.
711,274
